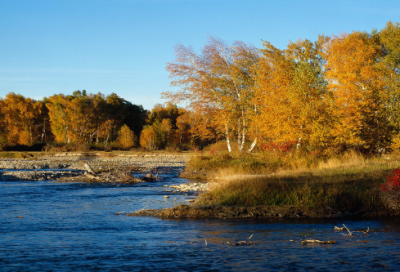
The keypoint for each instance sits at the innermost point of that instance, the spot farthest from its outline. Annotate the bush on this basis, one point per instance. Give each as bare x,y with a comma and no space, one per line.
391,190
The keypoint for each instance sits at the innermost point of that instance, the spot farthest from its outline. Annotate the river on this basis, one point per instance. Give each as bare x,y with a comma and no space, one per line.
50,226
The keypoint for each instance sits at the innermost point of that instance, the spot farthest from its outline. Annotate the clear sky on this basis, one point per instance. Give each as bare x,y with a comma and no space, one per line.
122,46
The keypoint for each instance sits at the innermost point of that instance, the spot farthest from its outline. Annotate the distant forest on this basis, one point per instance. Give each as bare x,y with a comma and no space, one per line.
84,121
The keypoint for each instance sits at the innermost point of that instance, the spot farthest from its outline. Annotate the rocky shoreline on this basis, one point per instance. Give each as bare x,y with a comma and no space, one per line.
66,167
191,187
36,175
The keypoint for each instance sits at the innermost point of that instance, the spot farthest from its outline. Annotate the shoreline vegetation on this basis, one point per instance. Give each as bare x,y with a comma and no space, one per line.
253,186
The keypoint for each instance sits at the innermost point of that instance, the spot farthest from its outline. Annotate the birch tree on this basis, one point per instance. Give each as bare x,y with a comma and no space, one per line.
291,94
218,82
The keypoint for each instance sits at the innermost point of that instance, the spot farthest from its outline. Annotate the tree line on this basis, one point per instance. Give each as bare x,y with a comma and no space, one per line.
334,93
94,120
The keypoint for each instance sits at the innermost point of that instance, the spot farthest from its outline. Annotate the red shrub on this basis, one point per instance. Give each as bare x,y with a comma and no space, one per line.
393,182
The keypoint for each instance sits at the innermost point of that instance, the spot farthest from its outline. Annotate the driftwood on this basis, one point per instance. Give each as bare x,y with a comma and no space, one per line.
242,243
339,228
344,228
351,234
116,175
89,169
310,241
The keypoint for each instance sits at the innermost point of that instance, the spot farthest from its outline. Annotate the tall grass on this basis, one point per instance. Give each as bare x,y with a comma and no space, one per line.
349,181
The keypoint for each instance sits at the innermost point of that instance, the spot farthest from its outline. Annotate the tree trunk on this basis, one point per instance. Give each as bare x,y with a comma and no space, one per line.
227,138
253,144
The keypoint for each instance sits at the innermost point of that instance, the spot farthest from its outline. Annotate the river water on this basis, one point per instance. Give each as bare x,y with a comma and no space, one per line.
50,226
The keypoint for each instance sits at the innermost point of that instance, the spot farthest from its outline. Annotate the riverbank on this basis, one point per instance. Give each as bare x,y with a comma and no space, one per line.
345,186
257,212
65,167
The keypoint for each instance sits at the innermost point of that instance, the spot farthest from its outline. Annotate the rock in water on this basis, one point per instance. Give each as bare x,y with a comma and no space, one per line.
149,176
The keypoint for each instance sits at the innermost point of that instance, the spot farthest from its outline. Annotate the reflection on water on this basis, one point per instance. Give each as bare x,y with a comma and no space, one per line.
72,226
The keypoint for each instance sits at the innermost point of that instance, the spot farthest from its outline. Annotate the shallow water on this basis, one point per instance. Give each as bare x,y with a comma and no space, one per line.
72,227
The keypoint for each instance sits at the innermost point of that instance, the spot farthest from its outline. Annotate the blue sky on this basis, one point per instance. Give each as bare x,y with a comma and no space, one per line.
123,46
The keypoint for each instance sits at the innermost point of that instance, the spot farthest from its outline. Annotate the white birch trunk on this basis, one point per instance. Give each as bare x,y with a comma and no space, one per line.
243,133
227,138
253,144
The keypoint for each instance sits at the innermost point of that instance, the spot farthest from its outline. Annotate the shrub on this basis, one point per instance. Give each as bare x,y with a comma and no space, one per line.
391,190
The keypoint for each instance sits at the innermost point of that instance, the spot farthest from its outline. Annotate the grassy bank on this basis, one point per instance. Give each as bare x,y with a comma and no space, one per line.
349,182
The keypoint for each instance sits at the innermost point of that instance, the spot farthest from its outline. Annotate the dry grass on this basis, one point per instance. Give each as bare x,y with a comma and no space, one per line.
347,182
350,158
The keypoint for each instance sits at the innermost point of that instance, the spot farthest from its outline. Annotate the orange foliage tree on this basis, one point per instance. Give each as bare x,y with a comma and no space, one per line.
126,137
294,104
148,138
83,118
21,119
220,81
359,91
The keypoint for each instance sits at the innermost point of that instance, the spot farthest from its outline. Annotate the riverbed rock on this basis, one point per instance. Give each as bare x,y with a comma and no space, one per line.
36,175
192,186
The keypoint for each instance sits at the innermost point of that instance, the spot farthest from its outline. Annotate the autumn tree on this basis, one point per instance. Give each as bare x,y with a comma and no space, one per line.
160,112
126,137
185,126
220,82
388,67
84,118
21,119
148,138
71,117
3,135
291,94
359,91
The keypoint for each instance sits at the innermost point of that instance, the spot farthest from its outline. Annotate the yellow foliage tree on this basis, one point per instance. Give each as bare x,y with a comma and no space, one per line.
126,137
359,90
291,94
148,138
21,119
